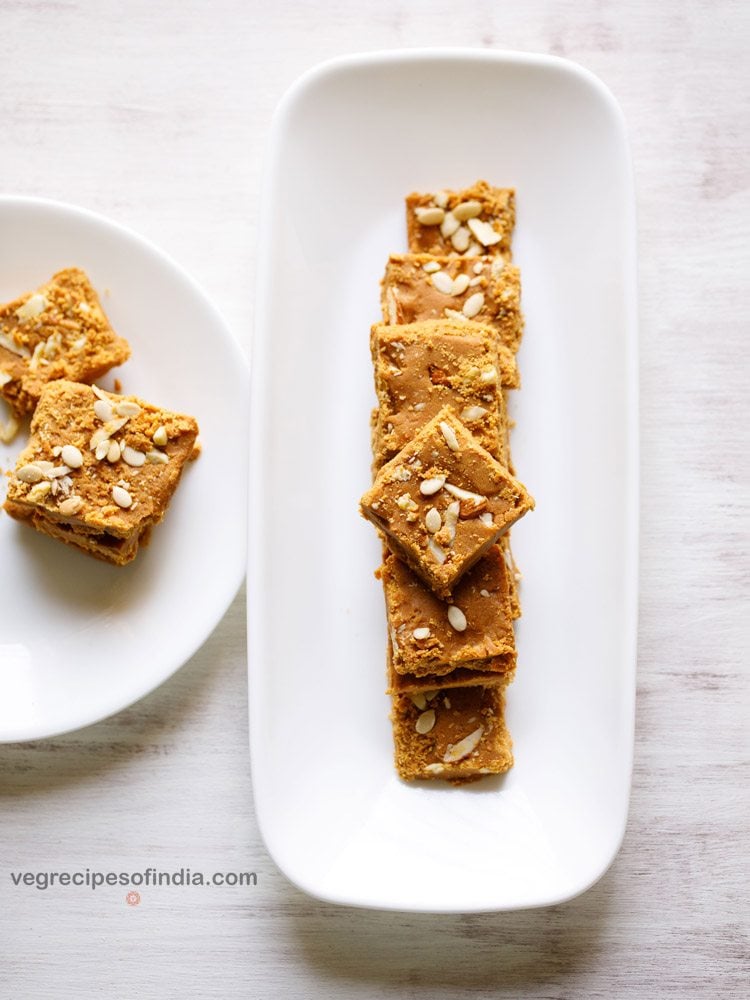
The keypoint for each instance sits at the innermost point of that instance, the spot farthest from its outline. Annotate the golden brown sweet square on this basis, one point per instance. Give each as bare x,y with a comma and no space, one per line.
443,501
422,367
99,469
485,289
58,331
475,221
424,637
457,734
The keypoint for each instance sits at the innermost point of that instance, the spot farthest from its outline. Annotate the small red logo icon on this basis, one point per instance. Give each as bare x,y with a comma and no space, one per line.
133,898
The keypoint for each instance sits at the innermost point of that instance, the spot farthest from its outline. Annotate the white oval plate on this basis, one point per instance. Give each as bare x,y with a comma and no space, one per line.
348,142
80,639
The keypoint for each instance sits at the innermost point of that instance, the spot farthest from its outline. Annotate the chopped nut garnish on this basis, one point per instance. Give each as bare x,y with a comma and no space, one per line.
464,747
425,722
456,618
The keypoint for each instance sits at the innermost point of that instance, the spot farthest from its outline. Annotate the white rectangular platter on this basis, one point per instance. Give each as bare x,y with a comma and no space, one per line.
349,141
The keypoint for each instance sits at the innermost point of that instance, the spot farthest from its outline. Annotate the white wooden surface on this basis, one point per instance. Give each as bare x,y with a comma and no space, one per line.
156,114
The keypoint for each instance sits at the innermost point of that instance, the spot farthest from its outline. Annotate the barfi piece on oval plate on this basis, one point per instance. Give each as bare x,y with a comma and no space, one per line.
59,331
485,289
443,501
422,367
478,220
457,734
428,639
99,469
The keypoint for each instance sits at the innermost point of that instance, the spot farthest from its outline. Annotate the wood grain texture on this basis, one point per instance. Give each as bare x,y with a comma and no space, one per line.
156,115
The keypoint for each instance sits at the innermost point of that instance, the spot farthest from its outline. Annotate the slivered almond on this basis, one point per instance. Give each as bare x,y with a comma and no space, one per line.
457,751
429,215
484,232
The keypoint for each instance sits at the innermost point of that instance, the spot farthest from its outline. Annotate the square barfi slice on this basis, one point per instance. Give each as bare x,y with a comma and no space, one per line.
423,633
484,289
59,331
99,469
458,734
422,367
443,501
475,221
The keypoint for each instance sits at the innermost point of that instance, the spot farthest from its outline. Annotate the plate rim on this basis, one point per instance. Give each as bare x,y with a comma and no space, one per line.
235,578
631,459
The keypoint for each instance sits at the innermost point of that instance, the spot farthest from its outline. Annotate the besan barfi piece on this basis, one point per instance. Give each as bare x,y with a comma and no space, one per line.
476,221
458,734
99,469
422,367
59,331
443,501
427,637
485,289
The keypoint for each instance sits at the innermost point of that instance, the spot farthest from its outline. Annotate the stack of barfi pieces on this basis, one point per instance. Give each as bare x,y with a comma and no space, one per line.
444,493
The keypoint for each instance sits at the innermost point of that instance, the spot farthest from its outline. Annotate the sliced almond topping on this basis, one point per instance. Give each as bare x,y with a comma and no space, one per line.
425,722
451,520
450,435
435,768
38,492
471,413
438,554
484,232
467,210
429,486
456,618
460,239
71,456
8,429
121,496
126,408
449,225
433,520
460,494
457,751
32,307
10,345
489,375
421,633
472,508
429,215
460,284
133,457
473,305
156,458
103,409
160,437
100,452
30,474
441,199
114,452
390,298
431,266
478,267
419,700
58,471
405,502
70,506
443,282
486,519
455,315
